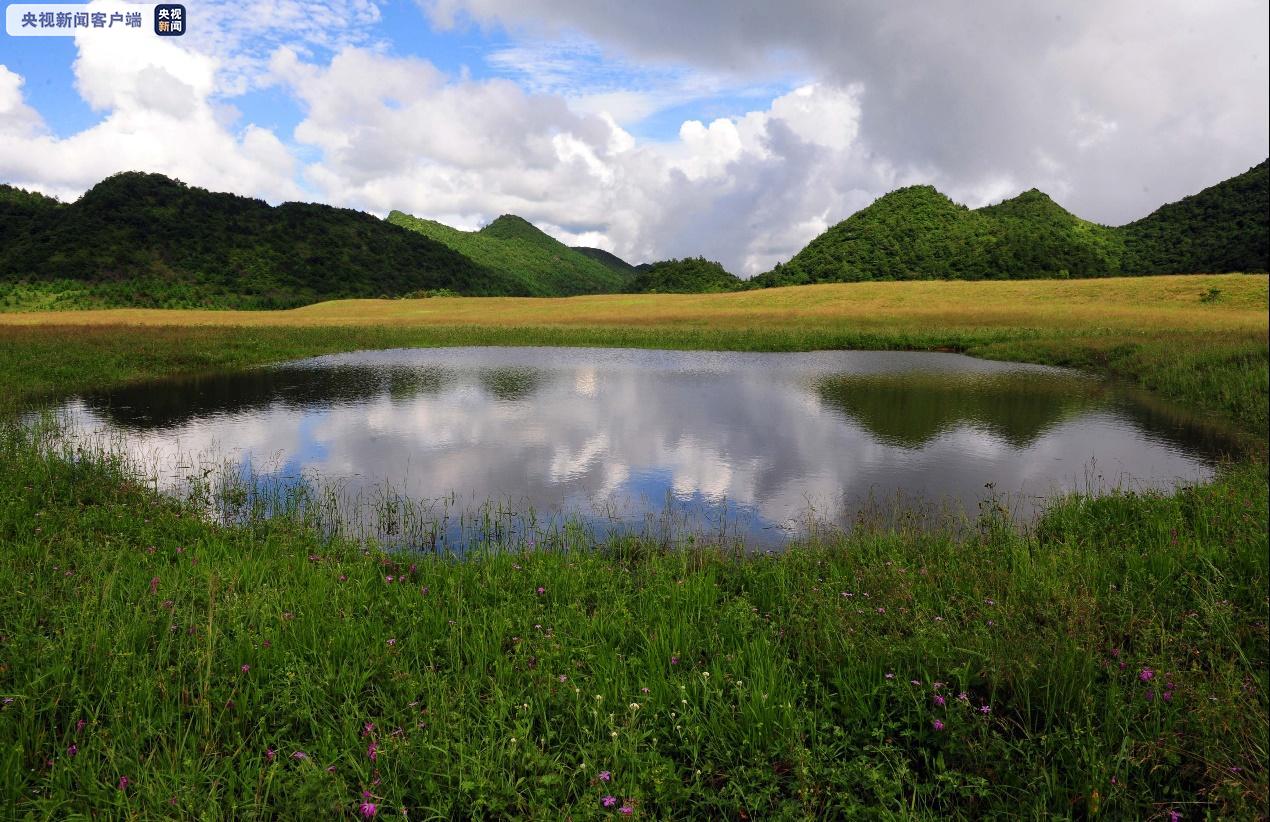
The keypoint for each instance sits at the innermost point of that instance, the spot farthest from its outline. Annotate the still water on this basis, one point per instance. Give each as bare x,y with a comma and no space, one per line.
755,446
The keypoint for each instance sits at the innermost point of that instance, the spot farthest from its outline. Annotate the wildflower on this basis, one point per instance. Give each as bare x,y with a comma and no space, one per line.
392,642
915,682
388,579
1146,675
245,668
343,578
154,584
890,675
79,726
72,750
705,674
367,728
643,690
608,801
634,706
1167,696
373,751
605,776
167,603
563,678
270,754
367,809
330,769
938,700
985,709
123,783
424,590
299,755
937,725
881,610
1174,816
991,601
674,660
541,590
626,810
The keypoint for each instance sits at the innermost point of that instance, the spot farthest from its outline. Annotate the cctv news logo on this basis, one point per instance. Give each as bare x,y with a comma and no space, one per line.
72,19
169,20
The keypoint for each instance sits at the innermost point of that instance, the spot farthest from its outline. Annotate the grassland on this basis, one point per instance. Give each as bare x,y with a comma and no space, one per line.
1109,662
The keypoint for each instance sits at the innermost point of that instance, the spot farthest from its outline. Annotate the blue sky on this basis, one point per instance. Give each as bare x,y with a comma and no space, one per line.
737,129
466,49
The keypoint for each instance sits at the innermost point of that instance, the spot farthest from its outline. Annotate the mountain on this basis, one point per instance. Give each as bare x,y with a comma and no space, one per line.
918,233
1222,228
147,240
606,258
691,275
519,251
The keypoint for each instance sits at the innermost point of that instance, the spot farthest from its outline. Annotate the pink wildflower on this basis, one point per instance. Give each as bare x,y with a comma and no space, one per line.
608,801
937,725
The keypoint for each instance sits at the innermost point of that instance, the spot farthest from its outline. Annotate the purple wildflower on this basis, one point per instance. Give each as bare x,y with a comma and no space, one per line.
985,709
367,809
1146,675
123,783
72,750
626,810
154,584
937,725
245,668
938,700
271,754
299,755
541,590
608,801
605,776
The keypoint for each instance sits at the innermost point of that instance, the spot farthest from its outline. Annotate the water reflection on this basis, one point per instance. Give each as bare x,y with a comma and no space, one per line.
616,435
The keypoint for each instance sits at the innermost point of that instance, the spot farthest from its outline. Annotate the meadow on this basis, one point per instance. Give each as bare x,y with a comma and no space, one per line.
1108,661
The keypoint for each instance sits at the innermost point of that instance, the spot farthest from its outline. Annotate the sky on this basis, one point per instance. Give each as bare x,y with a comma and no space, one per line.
733,129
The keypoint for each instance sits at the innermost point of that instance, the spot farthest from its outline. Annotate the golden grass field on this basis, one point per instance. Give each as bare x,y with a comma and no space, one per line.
1104,305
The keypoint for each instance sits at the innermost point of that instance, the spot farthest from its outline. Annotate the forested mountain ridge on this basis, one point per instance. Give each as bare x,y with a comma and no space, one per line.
918,233
148,240
521,252
139,239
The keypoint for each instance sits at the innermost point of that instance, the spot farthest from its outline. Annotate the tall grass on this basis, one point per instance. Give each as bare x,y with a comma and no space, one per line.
1110,661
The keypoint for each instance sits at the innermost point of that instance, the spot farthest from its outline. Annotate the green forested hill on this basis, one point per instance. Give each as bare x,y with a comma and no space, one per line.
918,233
147,240
539,264
691,275
1222,228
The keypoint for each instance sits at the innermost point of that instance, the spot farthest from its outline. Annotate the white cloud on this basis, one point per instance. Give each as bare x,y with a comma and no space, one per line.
1123,105
157,116
396,134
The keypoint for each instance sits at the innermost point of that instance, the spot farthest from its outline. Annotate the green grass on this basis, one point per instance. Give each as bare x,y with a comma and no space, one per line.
502,685
132,613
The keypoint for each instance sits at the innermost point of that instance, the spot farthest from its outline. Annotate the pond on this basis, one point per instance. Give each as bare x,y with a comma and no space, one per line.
433,448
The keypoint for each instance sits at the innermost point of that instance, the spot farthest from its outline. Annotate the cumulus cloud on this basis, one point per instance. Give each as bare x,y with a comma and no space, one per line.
1116,107
395,133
